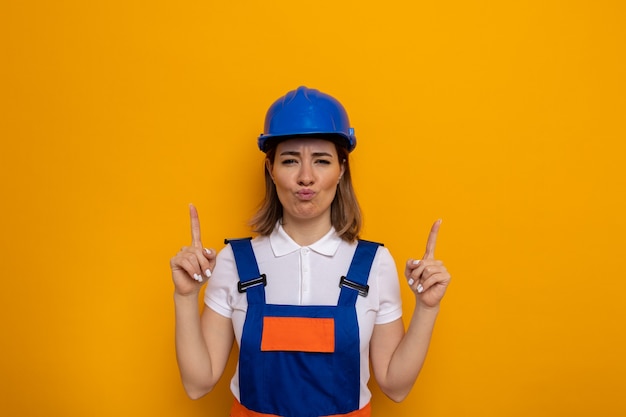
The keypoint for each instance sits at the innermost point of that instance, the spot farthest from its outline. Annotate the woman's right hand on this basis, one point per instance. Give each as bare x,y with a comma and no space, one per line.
193,265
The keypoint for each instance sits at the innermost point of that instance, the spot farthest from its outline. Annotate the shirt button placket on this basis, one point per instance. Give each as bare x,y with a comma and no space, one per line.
306,269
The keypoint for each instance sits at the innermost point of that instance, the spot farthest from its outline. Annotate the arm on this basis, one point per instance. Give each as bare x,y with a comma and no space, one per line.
397,358
203,343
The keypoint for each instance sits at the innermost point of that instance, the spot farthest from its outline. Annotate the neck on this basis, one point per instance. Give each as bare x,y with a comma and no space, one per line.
307,232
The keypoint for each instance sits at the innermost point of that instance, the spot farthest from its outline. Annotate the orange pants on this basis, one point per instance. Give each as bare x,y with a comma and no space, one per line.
239,410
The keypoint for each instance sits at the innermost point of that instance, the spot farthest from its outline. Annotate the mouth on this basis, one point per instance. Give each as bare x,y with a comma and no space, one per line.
305,194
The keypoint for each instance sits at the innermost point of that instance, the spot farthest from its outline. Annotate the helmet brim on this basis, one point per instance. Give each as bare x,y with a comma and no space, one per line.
266,142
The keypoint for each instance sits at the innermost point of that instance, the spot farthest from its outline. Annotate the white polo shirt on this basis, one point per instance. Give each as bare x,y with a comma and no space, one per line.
307,275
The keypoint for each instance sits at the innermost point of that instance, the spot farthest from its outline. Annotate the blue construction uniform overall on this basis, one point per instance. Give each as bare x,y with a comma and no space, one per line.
284,377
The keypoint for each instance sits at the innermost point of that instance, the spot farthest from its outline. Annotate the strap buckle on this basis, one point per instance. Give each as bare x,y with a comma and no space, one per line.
362,289
243,286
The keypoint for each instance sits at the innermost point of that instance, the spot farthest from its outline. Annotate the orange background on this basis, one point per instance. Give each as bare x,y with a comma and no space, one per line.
506,119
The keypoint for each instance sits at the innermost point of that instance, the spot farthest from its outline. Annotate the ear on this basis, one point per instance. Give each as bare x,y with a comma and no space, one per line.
268,166
343,168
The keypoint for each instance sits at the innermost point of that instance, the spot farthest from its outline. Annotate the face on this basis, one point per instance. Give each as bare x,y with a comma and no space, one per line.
306,172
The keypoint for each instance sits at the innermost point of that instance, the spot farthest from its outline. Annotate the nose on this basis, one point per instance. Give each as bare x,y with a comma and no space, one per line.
305,176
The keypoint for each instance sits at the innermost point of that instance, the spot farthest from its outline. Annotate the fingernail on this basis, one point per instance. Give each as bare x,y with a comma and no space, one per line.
208,251
207,273
411,281
416,262
197,277
420,288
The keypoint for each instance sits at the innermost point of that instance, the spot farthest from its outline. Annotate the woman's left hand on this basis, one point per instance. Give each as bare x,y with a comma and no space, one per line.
428,277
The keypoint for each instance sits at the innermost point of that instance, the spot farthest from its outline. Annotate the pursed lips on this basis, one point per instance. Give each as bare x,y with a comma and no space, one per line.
305,194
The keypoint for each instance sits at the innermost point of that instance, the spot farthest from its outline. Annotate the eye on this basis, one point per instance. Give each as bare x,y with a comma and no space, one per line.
323,161
288,161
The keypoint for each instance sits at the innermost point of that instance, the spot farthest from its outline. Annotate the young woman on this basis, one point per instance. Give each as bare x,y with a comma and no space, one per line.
310,305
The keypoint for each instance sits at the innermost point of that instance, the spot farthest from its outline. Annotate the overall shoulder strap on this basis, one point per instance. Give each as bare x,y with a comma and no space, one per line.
355,281
251,281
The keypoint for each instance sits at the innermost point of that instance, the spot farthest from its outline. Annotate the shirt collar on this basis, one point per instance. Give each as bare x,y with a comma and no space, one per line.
282,244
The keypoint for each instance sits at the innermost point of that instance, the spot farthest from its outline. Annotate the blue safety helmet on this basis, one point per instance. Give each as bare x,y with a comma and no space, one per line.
307,112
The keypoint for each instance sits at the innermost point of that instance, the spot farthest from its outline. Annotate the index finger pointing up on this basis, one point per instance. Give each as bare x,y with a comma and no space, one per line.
432,241
196,240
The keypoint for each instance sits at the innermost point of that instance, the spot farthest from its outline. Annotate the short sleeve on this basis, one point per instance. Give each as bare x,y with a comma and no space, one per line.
390,301
218,293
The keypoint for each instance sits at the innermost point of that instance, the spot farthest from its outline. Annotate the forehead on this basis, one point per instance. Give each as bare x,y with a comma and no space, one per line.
314,145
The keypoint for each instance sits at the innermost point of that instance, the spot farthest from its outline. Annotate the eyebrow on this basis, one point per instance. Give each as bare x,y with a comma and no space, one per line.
315,154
